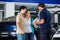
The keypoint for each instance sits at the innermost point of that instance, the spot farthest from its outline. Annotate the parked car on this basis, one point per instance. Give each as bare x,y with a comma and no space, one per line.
8,29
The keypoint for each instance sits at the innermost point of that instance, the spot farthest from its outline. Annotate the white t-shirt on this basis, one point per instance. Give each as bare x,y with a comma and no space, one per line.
27,26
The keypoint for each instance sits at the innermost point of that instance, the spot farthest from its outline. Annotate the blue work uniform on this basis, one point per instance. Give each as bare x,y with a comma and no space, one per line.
45,28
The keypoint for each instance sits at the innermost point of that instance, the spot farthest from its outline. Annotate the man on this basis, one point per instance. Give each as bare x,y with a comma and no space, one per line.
20,23
45,22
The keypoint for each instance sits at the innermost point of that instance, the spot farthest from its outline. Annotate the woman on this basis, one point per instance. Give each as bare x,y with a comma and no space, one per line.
29,30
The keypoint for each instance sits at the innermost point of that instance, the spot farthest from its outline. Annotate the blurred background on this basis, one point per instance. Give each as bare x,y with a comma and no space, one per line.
9,10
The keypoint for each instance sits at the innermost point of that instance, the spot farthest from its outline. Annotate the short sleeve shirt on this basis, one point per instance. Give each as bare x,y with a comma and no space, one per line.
45,14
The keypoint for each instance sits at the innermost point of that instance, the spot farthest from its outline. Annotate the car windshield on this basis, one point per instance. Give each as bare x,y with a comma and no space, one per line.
10,19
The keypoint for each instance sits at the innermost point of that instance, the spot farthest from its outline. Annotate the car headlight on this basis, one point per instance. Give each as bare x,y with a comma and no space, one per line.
13,33
4,34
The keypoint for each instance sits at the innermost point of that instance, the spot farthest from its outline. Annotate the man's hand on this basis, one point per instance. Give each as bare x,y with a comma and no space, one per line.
34,23
22,32
39,22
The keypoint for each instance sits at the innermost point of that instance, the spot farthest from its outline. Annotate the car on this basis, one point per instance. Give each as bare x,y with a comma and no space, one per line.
8,29
56,36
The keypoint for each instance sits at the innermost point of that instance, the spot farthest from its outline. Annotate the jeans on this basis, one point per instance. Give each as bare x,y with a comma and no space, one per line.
20,37
44,35
29,36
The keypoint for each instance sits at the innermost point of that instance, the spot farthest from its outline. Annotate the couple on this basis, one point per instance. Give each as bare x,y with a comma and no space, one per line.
25,30
23,24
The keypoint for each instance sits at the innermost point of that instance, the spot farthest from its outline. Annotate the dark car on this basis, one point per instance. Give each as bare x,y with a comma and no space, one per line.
8,29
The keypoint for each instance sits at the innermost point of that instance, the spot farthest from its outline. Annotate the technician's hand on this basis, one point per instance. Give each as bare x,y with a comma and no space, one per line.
34,23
